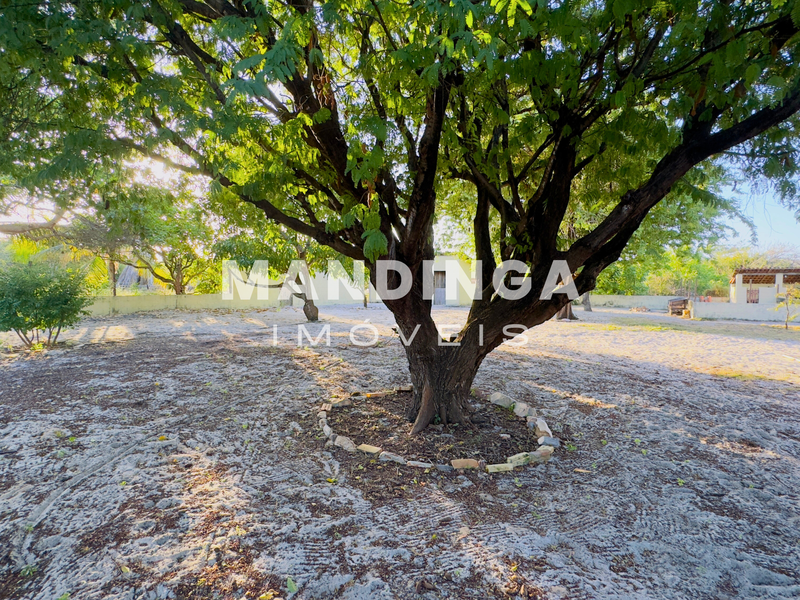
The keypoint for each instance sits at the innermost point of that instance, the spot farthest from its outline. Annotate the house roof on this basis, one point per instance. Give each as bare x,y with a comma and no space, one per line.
791,275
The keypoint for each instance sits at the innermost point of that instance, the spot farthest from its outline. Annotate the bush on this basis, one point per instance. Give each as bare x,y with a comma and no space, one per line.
38,298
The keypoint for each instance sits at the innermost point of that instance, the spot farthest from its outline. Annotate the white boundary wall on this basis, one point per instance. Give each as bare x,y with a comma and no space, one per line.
650,302
733,311
124,305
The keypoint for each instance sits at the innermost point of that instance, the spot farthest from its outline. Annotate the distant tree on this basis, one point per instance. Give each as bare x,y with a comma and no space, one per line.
790,300
158,227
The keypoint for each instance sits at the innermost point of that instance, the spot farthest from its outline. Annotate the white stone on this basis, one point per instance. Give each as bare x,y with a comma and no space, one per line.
499,468
542,455
420,464
542,429
345,443
367,449
501,400
518,460
523,410
326,429
390,456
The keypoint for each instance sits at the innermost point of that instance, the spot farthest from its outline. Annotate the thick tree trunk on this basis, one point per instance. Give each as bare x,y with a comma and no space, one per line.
586,302
176,272
441,372
442,378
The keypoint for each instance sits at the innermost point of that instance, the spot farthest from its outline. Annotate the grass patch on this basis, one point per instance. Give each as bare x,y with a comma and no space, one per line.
730,373
783,327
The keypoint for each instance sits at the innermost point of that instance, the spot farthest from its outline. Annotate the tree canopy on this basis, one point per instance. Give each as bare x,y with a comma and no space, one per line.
351,122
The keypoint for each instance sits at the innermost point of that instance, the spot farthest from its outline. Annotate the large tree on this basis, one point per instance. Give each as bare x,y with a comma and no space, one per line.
345,121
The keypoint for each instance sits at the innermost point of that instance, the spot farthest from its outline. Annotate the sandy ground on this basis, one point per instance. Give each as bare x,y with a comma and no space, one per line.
175,455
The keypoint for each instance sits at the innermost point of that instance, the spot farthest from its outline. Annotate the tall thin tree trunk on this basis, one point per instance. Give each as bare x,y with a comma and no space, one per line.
112,275
586,302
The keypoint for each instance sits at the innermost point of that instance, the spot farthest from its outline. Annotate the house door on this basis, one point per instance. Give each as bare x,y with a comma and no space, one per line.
752,296
439,287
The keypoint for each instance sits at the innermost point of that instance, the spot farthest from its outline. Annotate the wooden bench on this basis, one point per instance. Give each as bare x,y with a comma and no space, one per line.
678,305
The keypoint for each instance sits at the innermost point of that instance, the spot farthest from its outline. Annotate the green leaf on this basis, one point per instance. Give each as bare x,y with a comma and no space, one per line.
291,586
752,74
248,63
322,115
375,244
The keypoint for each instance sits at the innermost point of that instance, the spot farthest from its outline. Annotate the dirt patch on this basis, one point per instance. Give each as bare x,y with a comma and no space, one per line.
233,578
495,434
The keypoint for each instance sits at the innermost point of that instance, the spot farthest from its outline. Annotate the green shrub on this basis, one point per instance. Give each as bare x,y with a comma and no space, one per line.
38,298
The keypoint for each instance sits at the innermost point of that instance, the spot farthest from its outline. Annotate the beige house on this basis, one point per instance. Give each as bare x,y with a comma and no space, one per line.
456,273
761,286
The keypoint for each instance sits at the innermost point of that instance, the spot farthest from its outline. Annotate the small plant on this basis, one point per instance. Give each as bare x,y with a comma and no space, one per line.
571,447
680,481
29,570
791,298
38,299
64,596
